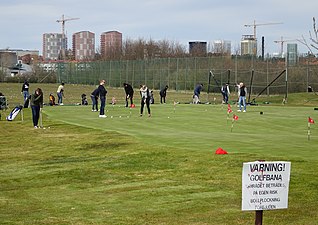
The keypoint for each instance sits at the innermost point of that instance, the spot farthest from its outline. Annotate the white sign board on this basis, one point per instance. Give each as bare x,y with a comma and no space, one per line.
265,185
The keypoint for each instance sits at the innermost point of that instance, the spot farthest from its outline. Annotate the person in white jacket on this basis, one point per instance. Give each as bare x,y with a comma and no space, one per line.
145,99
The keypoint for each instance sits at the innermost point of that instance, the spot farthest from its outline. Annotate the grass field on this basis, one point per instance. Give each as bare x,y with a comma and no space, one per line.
126,169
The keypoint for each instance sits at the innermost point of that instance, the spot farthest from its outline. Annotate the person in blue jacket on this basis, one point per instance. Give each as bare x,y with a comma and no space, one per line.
196,94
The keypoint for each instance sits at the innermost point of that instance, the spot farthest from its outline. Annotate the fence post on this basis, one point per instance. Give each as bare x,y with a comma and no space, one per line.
258,217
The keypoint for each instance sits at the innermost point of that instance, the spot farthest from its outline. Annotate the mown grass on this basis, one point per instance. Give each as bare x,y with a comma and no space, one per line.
83,169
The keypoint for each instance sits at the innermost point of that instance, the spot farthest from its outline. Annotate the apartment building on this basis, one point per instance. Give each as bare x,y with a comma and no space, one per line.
111,44
54,46
83,45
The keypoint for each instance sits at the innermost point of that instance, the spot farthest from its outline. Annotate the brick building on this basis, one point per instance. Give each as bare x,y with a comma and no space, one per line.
83,45
111,44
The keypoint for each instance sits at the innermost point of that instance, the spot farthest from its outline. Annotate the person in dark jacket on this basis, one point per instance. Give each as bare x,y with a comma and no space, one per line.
145,99
196,93
36,103
242,97
129,94
102,96
225,90
25,90
163,94
94,97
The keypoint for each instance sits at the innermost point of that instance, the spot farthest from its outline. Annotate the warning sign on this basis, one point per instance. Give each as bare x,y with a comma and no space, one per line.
265,185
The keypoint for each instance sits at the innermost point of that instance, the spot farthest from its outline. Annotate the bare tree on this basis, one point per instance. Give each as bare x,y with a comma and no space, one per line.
312,37
149,49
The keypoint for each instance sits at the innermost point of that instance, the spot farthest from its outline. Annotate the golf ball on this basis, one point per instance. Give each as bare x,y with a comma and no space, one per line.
119,116
168,117
111,116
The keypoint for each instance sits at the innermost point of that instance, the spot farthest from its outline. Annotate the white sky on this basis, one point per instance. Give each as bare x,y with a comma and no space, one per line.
23,22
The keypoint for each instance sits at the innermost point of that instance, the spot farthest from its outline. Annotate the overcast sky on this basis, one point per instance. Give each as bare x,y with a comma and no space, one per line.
23,22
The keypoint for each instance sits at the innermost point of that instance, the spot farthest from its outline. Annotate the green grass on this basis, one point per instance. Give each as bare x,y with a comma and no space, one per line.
128,169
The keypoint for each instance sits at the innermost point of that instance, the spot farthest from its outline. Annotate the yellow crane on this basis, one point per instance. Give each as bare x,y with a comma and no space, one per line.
254,25
62,21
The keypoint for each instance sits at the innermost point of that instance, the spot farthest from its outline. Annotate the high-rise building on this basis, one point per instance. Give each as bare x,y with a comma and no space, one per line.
198,48
248,45
292,54
83,45
54,46
111,44
222,47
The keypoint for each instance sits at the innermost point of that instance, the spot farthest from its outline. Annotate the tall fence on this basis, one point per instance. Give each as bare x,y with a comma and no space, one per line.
182,74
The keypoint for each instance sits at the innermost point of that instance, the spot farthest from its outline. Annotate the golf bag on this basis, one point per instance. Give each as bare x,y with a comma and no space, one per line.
195,99
84,99
14,112
3,102
26,103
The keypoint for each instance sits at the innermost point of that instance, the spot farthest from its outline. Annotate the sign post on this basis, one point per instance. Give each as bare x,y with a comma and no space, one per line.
265,186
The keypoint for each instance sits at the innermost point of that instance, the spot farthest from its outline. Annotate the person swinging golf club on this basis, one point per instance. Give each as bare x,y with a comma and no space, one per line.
242,90
129,91
145,99
36,103
102,96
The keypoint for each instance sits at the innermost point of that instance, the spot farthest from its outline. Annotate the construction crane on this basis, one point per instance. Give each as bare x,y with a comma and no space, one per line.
282,41
63,20
259,24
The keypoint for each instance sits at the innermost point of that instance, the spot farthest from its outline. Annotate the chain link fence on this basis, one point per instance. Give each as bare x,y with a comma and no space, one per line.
183,74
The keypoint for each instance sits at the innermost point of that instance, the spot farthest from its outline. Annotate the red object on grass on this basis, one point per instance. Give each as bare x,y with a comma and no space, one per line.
132,106
229,110
235,117
220,151
310,120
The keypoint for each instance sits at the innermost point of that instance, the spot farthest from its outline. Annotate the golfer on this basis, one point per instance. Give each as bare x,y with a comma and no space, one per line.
94,97
25,90
145,99
196,94
102,95
242,97
36,103
163,94
60,94
225,90
129,94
